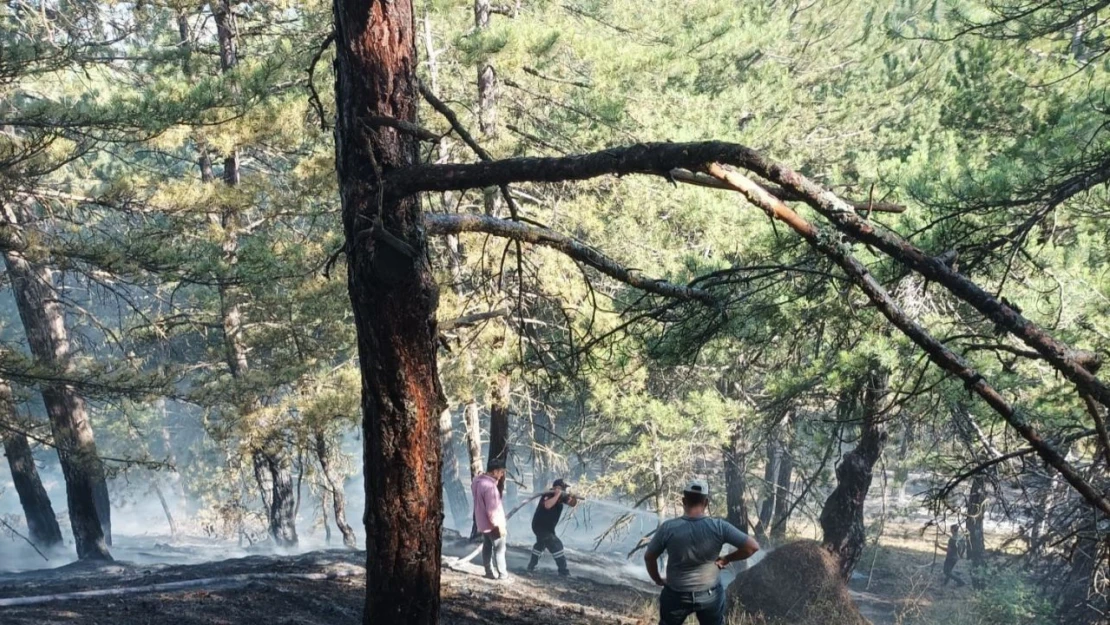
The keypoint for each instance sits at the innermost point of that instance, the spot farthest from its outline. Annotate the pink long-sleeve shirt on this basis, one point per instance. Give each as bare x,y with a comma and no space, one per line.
488,511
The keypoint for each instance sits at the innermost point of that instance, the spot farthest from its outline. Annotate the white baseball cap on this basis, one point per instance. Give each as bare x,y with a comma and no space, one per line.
697,487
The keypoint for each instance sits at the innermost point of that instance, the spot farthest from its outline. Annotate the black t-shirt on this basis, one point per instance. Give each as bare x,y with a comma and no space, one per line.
545,520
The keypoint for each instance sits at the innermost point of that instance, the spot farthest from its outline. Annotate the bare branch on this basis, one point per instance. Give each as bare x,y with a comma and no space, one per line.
440,224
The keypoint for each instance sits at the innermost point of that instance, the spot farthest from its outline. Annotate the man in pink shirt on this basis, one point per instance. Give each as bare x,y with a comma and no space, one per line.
489,516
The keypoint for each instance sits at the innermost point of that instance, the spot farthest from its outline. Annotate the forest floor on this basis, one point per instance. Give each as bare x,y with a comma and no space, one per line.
324,587
897,583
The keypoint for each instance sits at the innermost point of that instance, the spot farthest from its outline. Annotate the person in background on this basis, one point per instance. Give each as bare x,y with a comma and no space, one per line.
693,545
544,521
489,516
952,556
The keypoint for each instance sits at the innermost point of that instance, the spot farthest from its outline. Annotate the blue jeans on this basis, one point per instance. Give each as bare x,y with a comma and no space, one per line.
709,605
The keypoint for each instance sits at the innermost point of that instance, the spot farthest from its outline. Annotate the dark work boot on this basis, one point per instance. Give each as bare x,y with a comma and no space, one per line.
533,562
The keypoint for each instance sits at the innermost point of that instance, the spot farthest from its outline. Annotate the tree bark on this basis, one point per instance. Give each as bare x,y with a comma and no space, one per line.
42,523
473,437
842,516
783,486
976,537
44,324
282,511
499,422
736,467
393,296
334,491
770,475
542,465
452,480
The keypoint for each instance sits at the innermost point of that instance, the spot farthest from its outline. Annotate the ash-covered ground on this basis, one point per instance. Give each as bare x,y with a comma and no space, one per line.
317,587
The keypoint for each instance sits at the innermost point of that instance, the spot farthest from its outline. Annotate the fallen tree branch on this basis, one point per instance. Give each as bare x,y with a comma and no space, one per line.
439,224
474,554
943,357
207,583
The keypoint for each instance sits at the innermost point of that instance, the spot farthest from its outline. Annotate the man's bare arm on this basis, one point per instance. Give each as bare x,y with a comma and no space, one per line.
743,552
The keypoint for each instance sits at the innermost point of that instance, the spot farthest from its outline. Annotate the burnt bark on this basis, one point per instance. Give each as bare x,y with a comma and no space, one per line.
770,473
42,523
452,480
334,486
736,461
44,324
393,296
842,516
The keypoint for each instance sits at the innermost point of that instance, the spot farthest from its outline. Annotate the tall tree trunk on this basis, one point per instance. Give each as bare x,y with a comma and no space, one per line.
542,466
770,477
452,481
499,423
657,477
393,296
334,490
282,512
736,460
42,523
976,537
487,98
270,456
842,516
783,487
44,325
473,437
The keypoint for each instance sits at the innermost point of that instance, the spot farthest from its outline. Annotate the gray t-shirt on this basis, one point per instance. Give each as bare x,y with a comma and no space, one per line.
693,546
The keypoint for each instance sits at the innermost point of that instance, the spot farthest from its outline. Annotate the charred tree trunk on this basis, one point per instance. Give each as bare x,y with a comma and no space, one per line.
842,516
44,325
334,491
393,296
499,423
42,523
736,461
452,481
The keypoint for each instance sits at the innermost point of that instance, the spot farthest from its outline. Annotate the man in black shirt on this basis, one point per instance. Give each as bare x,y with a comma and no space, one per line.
544,521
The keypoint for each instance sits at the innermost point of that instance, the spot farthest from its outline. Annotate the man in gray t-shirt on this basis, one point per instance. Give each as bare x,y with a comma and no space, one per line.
693,545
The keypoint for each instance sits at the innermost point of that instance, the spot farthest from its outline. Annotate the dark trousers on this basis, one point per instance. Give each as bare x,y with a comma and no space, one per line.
949,575
708,605
550,542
